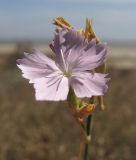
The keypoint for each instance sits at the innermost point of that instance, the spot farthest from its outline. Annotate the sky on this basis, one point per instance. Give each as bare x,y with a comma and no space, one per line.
32,19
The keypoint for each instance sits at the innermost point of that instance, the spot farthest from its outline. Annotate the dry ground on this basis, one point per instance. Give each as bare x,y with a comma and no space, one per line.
31,130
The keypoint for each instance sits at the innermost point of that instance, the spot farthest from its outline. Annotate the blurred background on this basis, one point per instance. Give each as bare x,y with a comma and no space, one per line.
31,130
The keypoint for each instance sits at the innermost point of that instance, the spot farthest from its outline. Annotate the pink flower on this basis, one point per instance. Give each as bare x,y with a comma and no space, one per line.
75,58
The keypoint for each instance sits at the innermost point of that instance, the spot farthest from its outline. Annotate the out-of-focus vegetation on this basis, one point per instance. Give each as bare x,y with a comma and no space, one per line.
31,130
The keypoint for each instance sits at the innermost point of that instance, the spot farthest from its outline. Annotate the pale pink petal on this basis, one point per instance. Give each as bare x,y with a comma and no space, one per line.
58,41
78,54
36,65
87,84
66,40
51,88
74,40
81,60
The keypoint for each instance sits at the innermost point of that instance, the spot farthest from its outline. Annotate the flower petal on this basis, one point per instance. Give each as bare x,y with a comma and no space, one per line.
58,41
73,40
67,39
51,88
77,52
87,60
87,84
36,65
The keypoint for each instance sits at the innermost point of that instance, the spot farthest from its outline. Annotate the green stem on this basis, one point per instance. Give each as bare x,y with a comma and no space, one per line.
88,134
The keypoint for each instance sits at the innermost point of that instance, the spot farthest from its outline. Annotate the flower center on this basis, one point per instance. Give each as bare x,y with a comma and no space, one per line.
68,72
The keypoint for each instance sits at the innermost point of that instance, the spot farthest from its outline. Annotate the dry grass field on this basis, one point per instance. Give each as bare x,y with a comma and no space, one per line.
31,130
